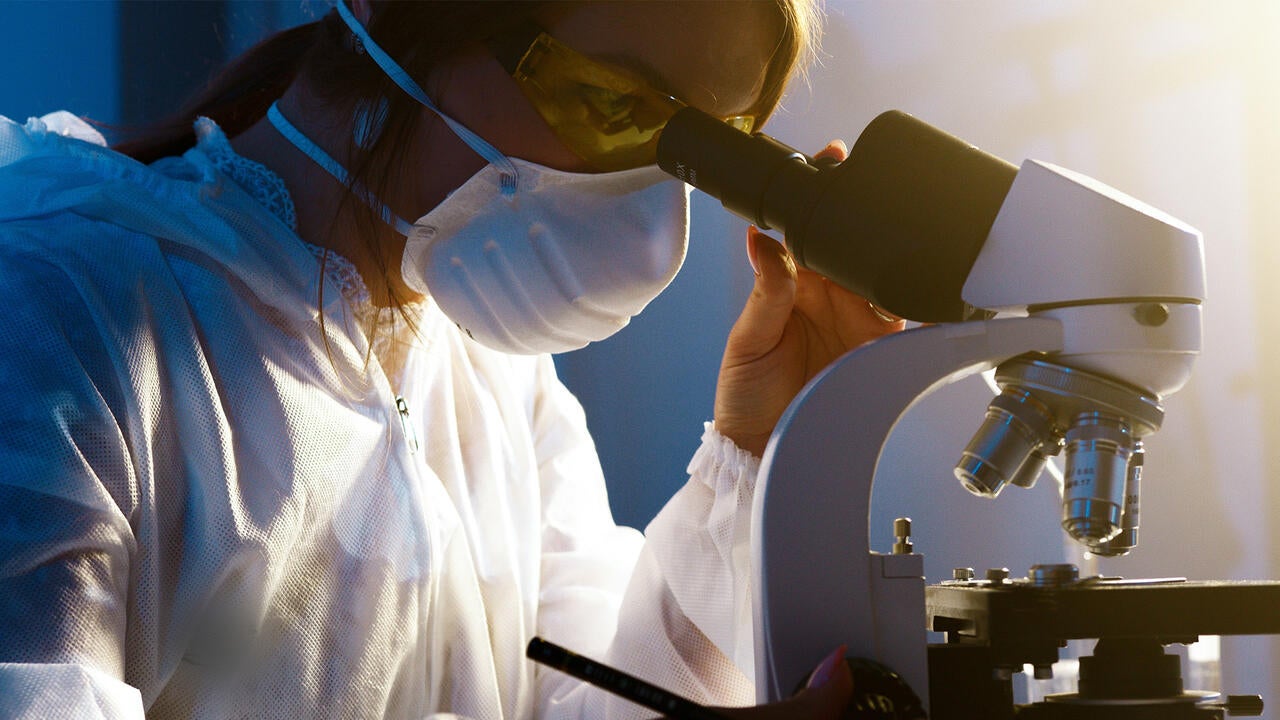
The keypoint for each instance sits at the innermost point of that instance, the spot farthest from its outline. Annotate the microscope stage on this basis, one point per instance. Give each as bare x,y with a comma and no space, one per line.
1018,614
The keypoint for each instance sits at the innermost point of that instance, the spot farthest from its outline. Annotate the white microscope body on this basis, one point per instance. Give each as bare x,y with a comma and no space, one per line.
1100,296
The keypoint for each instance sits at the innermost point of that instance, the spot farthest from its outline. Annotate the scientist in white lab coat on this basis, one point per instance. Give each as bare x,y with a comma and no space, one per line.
271,447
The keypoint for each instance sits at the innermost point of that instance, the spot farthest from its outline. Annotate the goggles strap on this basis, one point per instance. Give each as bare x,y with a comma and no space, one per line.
506,168
334,168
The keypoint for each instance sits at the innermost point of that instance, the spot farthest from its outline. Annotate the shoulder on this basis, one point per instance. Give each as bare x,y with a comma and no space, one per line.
72,205
71,317
58,180
44,134
60,254
83,257
63,264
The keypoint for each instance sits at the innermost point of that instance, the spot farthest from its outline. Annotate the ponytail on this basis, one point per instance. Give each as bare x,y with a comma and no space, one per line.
237,98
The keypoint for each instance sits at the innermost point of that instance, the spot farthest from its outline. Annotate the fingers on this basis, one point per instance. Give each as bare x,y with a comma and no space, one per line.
826,698
769,306
836,150
781,288
883,315
855,319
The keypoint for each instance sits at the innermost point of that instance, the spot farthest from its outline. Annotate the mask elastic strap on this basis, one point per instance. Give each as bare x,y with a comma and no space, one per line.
334,168
506,168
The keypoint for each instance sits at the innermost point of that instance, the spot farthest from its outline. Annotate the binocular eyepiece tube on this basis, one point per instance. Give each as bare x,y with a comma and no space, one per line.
899,222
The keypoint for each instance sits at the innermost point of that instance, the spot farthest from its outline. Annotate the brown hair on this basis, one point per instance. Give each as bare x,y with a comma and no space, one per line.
419,35
314,54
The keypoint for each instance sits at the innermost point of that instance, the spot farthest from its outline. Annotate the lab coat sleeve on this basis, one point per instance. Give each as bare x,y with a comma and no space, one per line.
65,542
49,691
673,608
687,614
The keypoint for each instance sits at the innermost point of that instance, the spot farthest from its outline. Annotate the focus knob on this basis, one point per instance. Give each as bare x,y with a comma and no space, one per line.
879,693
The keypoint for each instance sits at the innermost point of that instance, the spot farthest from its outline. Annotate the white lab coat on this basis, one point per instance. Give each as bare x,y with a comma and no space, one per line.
208,508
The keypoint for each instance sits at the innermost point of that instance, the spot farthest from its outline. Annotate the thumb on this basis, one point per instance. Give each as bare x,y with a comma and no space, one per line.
768,308
829,691
826,697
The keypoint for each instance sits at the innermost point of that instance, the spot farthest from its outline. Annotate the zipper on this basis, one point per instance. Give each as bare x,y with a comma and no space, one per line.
406,424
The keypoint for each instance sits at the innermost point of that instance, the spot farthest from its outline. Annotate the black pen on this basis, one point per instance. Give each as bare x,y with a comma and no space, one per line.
619,683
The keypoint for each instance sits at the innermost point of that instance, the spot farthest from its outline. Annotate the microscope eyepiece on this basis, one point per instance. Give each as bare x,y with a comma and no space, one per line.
755,177
900,222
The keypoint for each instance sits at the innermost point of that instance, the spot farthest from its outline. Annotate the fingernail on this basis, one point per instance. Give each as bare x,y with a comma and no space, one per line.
882,314
825,671
753,236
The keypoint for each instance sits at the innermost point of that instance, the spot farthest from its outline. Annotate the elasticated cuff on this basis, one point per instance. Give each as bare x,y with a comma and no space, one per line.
722,465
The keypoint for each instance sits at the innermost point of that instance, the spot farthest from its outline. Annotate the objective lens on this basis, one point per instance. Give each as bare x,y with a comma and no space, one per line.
1009,446
1127,538
994,454
1098,447
1031,469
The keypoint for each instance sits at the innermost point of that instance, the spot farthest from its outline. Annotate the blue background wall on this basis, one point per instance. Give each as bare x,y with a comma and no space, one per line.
60,55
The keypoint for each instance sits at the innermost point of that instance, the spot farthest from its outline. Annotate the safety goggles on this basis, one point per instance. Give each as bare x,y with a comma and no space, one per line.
604,114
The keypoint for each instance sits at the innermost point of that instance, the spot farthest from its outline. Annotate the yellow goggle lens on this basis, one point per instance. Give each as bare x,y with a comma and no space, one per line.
604,115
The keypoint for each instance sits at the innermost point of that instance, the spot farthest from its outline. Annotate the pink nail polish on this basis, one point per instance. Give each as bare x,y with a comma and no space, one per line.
753,236
827,669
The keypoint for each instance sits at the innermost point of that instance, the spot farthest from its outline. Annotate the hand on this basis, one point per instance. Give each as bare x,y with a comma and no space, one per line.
824,703
794,324
828,693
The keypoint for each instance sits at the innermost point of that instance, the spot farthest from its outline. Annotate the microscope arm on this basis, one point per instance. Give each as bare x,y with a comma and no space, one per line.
818,583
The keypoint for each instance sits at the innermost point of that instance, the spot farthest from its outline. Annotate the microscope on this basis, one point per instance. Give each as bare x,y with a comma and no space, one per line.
1086,304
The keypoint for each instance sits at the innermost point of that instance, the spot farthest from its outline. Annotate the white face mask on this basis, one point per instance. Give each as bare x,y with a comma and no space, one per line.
527,259
567,259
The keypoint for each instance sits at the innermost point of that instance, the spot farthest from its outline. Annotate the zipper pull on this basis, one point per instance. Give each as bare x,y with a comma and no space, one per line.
406,424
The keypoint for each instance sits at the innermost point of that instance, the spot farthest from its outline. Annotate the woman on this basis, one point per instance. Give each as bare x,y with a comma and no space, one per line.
272,450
